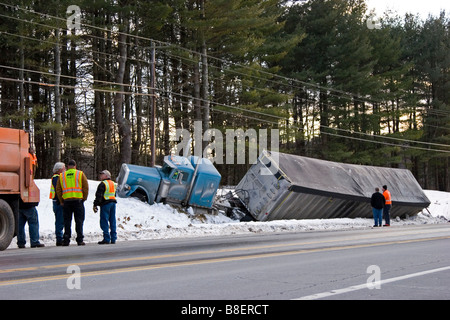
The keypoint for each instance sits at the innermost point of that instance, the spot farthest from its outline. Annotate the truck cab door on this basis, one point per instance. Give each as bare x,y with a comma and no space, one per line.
179,183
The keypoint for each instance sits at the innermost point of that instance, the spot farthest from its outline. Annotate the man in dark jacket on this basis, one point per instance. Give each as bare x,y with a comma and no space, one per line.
377,202
105,197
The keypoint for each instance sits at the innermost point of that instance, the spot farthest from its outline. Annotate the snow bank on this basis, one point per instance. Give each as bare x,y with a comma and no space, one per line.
137,220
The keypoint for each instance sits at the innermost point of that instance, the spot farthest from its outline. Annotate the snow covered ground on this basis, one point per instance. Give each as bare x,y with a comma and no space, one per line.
138,220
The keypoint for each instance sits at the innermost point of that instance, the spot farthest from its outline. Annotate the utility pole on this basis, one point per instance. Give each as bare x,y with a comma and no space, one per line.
58,136
153,106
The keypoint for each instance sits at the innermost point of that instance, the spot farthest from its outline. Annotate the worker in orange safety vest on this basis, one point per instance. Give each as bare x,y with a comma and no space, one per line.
105,197
387,207
33,158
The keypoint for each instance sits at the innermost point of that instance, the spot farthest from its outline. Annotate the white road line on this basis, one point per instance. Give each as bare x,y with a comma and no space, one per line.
366,286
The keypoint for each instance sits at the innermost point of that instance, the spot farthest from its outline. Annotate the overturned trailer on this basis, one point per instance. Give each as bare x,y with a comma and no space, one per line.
282,186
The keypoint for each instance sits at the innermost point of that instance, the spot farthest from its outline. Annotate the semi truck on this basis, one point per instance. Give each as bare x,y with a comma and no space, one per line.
183,181
16,181
278,186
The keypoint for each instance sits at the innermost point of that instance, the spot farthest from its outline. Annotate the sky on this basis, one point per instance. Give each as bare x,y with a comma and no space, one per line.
423,7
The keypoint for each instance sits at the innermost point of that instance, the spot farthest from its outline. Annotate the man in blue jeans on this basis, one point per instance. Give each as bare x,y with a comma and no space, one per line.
28,213
377,202
105,197
58,209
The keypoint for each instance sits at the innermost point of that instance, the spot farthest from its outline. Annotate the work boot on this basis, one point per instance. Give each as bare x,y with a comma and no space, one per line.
38,245
103,242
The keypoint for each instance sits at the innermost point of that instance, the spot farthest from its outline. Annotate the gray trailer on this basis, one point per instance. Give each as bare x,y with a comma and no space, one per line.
282,186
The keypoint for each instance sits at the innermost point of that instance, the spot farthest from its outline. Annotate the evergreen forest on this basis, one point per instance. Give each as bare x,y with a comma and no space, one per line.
107,82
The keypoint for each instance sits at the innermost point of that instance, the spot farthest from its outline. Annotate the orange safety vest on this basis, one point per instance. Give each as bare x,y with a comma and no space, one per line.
52,188
33,162
71,184
387,196
110,190
33,159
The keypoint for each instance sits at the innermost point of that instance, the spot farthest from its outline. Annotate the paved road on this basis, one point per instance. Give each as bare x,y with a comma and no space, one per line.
407,262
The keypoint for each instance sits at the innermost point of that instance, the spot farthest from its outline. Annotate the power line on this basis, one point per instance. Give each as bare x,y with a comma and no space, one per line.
83,89
232,107
173,55
259,119
390,138
223,105
129,92
389,144
166,44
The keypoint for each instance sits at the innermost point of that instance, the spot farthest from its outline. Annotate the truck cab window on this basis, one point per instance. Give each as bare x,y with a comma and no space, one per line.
184,176
166,169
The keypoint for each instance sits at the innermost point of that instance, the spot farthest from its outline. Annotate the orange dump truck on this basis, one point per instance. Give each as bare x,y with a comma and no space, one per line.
16,181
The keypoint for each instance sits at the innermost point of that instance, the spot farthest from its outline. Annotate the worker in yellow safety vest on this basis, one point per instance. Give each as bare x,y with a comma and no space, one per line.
72,190
105,197
387,207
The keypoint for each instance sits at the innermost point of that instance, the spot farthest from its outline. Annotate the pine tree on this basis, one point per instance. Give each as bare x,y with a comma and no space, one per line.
434,65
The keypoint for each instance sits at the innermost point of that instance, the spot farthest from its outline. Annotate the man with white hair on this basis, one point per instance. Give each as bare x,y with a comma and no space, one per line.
72,190
105,197
58,209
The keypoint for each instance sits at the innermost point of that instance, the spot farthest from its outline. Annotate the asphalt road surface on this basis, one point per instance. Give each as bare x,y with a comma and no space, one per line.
405,262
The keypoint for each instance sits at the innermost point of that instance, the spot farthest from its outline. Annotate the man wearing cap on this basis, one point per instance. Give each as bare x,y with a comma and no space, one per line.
105,197
72,190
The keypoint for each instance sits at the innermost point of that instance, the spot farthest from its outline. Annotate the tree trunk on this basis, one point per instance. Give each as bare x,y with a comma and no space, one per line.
123,124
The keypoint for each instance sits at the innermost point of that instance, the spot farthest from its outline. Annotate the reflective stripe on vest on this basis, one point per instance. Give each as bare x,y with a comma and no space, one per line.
71,184
52,188
387,196
110,190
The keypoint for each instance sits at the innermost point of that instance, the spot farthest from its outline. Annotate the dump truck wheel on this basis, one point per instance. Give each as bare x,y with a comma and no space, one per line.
6,225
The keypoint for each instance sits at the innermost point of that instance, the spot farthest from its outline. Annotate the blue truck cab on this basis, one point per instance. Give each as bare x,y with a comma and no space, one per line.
189,181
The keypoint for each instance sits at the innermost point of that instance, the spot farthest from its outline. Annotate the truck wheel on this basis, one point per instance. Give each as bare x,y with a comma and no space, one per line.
6,225
140,196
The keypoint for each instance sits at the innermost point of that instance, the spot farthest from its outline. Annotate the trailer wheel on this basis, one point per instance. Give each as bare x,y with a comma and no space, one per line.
6,225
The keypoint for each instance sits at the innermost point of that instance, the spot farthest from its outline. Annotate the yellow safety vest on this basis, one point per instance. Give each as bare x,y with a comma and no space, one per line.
110,190
52,188
71,184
